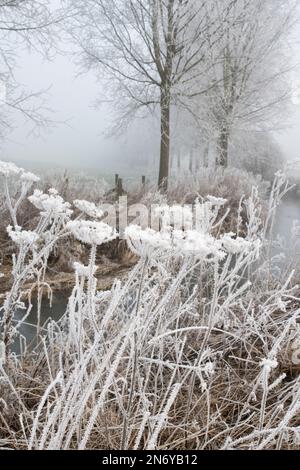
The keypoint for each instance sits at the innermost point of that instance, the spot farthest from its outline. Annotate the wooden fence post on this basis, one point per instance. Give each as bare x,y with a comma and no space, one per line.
120,187
116,180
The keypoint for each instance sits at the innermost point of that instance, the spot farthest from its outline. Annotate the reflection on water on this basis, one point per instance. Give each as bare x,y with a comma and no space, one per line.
288,211
53,311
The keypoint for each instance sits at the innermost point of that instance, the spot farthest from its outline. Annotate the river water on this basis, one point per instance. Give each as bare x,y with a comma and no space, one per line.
53,311
287,212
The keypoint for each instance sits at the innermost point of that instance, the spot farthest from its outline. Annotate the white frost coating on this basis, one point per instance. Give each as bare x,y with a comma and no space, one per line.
175,215
29,177
175,242
141,240
162,418
175,332
51,204
92,233
9,169
269,364
53,191
190,242
84,271
199,244
22,237
238,245
209,368
2,353
216,201
89,208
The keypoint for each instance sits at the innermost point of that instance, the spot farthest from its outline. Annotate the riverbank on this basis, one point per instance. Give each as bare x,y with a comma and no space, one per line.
62,281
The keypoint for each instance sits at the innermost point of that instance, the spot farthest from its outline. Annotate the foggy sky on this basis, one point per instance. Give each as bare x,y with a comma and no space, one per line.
81,142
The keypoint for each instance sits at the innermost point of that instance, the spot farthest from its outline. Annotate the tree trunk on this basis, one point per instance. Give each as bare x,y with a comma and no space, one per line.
224,147
191,162
164,143
178,161
197,160
206,156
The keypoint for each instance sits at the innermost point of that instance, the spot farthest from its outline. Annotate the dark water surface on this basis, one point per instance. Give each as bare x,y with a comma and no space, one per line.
49,311
287,212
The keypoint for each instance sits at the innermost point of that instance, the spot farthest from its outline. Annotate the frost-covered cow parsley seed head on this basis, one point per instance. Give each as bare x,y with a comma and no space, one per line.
89,208
176,216
178,240
201,245
92,233
174,242
9,169
50,204
22,237
29,177
238,245
147,241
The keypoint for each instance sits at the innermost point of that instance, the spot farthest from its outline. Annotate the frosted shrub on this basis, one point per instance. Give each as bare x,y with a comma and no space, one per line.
227,183
196,349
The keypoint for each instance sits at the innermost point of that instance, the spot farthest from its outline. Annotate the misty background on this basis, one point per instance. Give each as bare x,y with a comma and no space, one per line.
79,137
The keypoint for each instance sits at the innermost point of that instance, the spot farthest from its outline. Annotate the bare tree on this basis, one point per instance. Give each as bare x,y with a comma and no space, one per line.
23,24
251,73
153,53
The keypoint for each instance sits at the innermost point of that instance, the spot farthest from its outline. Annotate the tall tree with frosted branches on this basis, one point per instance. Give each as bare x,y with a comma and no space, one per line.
152,52
250,70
